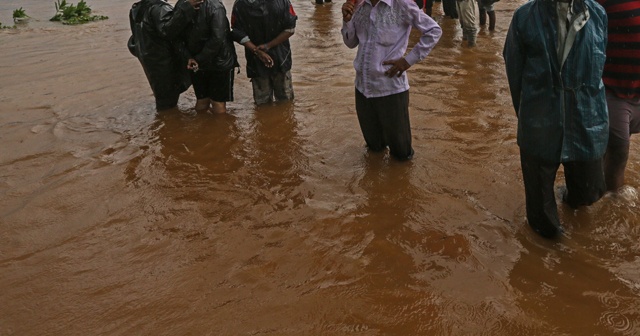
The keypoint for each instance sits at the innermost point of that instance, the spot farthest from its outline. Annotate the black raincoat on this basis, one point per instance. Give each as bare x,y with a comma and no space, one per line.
262,21
155,28
208,38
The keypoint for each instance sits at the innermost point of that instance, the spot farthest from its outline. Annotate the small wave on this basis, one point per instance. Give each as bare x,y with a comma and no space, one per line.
617,321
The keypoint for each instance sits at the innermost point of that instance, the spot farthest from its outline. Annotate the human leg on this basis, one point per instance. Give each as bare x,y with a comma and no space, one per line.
542,211
166,94
282,85
262,90
428,7
467,12
221,90
492,19
369,123
624,120
585,182
167,102
200,81
449,8
393,112
482,13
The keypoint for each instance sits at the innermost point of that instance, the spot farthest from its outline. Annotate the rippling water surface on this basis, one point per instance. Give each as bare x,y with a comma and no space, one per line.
276,220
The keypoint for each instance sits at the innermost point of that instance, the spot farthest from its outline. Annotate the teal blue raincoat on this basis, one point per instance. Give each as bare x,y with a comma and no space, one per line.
557,88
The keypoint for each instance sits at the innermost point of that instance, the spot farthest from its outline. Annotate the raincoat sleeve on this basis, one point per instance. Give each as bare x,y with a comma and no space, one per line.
170,22
238,32
131,43
430,34
514,59
218,28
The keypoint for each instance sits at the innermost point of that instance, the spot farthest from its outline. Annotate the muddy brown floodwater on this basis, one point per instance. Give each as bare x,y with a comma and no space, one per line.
115,220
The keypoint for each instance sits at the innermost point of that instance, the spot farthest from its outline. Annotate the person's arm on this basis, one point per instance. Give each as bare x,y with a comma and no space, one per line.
349,36
514,59
238,34
283,36
288,18
170,22
430,35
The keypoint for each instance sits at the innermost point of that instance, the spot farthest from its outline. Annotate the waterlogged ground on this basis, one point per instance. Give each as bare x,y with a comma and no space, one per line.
115,220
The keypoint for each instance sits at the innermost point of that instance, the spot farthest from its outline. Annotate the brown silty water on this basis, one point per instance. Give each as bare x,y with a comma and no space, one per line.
116,220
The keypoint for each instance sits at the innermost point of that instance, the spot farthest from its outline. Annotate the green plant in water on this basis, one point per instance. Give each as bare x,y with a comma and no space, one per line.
74,14
6,27
20,14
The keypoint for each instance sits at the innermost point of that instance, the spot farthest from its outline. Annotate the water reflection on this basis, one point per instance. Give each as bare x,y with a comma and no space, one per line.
202,146
276,220
560,285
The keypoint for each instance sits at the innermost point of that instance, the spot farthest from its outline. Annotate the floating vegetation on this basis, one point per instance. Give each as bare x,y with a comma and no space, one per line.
6,27
71,14
19,15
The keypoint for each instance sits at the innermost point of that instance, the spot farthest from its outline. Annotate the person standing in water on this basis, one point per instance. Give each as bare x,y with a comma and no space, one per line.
380,29
156,27
554,56
485,8
212,57
622,79
466,10
264,27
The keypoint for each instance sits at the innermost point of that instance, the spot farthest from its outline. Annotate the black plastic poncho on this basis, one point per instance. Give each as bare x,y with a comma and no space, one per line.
155,28
208,38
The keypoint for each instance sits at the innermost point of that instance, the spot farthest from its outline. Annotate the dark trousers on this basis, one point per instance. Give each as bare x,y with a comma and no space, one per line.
167,101
449,8
585,185
384,121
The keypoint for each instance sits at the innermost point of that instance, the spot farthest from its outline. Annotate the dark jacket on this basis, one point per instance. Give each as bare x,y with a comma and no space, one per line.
262,21
155,28
559,100
208,38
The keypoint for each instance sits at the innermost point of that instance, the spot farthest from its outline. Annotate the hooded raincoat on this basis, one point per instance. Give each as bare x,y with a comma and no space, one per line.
155,28
208,38
556,86
261,21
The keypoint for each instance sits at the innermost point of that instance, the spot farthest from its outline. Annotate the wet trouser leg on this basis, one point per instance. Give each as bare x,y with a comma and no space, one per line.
542,211
282,86
585,182
624,120
428,7
167,101
482,13
262,90
384,121
467,12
